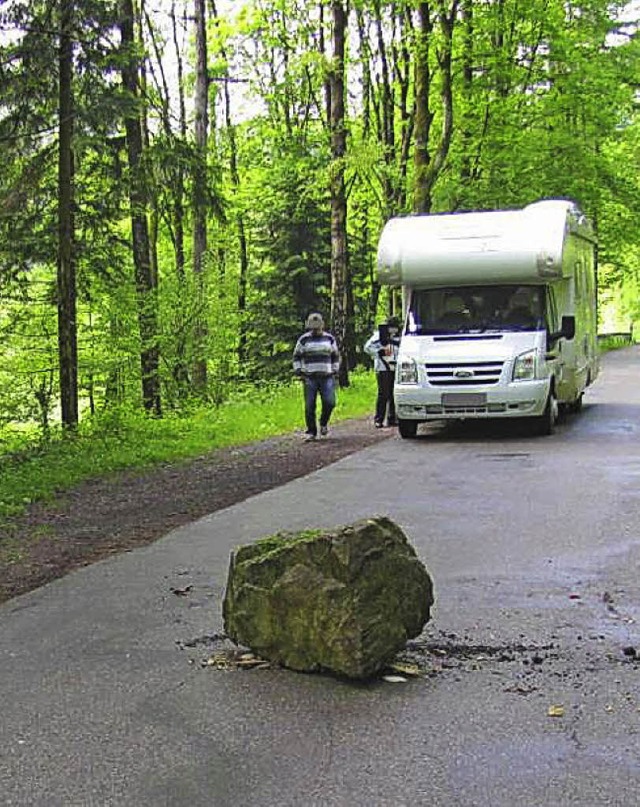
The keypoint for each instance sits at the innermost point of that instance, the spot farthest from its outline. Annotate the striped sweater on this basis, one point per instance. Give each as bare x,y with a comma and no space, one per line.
316,354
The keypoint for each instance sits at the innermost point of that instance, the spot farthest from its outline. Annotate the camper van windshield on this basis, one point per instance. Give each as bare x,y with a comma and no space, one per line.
476,309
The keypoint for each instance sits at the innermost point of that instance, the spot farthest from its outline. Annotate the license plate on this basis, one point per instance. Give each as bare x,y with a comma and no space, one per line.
464,399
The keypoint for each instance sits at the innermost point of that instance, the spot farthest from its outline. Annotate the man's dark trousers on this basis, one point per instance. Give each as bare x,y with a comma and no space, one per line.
385,380
324,386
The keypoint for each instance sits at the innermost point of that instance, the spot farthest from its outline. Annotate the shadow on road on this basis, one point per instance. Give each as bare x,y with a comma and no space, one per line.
498,430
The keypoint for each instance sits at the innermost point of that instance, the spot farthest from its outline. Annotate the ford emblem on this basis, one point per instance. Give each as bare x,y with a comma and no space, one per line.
463,373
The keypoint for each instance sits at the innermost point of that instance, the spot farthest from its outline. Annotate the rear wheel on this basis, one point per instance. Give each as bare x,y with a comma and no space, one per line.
407,428
575,406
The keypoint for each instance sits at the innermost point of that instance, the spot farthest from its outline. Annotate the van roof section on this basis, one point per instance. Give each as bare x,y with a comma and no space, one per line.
504,246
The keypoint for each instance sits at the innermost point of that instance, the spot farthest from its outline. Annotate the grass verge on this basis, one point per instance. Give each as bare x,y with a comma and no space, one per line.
614,341
118,440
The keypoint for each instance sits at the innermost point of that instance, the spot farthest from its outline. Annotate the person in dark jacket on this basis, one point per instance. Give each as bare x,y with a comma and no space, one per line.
383,348
316,360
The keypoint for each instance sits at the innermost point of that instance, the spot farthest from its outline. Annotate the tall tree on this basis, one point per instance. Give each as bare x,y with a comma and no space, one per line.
429,160
338,194
201,127
66,292
146,281
234,176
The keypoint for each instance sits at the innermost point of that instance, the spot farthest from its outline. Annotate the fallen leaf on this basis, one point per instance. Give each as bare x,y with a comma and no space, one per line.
522,689
405,669
181,592
250,662
556,710
218,660
394,679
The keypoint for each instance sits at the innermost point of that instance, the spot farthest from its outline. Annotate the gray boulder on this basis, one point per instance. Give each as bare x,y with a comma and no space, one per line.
342,601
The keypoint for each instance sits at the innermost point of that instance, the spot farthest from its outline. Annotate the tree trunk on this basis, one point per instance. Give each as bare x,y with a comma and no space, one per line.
145,280
424,116
178,203
152,199
243,279
386,117
466,15
67,326
339,253
404,69
201,103
180,368
428,166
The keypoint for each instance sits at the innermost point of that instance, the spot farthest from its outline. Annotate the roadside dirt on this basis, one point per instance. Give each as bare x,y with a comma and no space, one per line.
115,514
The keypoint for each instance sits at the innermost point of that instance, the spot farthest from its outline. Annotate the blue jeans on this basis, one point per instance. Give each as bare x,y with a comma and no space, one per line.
324,386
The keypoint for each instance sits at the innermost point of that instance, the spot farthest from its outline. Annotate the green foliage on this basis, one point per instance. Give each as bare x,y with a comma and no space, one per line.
289,226
544,104
271,545
531,117
614,342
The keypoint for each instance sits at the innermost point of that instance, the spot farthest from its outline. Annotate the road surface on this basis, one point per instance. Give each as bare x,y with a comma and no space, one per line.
530,686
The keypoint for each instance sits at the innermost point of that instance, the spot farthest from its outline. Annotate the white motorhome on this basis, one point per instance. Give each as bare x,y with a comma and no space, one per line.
499,313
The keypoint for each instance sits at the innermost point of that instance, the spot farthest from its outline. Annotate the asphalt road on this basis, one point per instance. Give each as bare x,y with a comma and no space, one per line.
529,692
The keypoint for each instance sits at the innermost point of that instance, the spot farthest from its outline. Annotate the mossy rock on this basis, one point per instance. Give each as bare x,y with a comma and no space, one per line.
343,601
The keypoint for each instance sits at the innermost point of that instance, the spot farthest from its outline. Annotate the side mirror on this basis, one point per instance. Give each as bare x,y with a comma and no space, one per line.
568,327
567,331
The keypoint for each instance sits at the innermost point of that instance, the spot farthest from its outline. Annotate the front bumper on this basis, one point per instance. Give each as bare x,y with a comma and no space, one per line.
513,400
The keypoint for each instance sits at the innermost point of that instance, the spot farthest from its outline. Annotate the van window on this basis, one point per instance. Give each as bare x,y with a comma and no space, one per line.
476,309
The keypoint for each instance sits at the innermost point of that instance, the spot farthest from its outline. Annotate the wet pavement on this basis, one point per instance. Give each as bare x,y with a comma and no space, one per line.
119,689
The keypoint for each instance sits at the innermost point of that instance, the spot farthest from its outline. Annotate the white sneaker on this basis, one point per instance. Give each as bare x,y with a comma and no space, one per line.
310,438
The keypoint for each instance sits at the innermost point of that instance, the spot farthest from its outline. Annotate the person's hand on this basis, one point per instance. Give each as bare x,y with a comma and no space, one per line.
382,353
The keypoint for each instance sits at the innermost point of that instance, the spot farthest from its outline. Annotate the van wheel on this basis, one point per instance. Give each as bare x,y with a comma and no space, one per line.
407,428
575,406
546,423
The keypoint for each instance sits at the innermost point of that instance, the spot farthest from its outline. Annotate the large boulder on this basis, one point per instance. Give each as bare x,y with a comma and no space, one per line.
342,601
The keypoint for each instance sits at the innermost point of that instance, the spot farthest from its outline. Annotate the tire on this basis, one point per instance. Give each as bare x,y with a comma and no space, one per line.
575,406
545,423
407,428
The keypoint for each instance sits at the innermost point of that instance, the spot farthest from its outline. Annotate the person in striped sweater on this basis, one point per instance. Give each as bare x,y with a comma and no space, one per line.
316,361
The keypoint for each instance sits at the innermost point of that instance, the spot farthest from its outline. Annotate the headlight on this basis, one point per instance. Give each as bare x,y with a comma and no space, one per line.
407,372
524,368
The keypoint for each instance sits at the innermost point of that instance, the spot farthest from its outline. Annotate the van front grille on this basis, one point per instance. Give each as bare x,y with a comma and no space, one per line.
463,374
